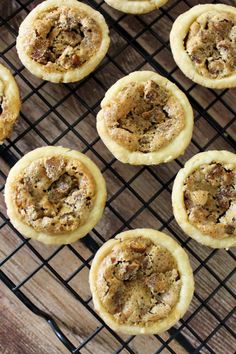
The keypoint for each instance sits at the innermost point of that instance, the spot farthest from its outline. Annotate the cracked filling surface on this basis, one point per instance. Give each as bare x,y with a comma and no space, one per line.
211,44
144,117
210,199
63,38
138,282
55,194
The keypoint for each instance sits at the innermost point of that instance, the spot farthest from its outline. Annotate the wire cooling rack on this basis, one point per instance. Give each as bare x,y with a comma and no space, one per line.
53,281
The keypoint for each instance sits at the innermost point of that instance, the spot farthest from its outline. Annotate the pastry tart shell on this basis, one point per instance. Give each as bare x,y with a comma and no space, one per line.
62,238
184,269
179,209
178,34
167,153
72,74
11,113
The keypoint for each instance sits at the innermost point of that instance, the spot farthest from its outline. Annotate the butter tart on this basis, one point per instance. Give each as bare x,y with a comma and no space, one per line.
136,7
55,195
141,282
203,43
145,119
62,41
204,198
10,103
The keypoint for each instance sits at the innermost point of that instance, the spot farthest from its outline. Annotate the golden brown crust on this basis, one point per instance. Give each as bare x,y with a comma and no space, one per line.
203,44
9,103
144,117
150,127
55,195
132,270
204,199
62,40
137,7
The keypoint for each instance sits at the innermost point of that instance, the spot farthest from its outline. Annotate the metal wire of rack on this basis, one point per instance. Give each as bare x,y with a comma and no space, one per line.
65,115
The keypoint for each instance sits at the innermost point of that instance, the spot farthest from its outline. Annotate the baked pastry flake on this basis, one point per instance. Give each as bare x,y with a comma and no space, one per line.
10,103
55,195
62,41
145,119
203,41
204,198
141,282
136,7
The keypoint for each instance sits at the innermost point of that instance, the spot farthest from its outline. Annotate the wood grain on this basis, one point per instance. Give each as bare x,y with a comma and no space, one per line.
47,120
23,333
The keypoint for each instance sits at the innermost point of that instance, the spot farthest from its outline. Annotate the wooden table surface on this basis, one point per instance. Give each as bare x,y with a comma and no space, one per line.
46,121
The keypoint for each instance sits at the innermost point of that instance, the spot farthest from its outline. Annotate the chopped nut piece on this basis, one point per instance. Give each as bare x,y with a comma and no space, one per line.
54,167
199,197
138,246
158,312
229,229
154,94
160,283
